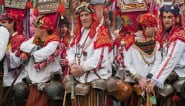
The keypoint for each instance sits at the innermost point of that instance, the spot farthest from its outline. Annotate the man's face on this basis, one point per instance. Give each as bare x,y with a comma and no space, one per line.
64,28
37,31
86,19
7,24
150,31
168,18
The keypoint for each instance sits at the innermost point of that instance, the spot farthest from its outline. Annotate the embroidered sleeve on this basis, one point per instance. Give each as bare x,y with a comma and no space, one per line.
45,52
175,51
4,41
28,46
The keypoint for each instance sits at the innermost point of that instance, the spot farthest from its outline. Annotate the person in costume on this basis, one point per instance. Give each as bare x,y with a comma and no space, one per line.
13,21
3,44
140,53
65,39
88,56
41,50
171,71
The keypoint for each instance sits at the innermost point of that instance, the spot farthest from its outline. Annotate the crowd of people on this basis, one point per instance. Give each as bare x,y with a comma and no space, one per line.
93,65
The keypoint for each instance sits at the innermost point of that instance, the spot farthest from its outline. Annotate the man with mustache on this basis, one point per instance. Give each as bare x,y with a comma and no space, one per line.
88,55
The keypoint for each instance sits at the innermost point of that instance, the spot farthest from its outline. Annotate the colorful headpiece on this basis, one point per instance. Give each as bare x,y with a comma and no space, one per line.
84,6
148,19
16,16
170,8
43,22
64,21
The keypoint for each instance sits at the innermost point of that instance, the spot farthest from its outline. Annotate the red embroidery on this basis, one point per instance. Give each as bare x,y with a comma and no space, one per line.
166,63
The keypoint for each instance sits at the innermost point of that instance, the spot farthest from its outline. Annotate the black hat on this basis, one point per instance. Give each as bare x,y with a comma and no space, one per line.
63,21
170,8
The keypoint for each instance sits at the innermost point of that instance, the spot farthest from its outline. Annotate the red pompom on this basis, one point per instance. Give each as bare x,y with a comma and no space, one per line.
155,12
36,12
61,8
29,5
176,98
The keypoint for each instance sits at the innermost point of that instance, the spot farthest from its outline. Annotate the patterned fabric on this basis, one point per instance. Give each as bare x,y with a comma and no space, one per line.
117,41
176,32
94,98
129,41
103,39
36,98
16,41
147,47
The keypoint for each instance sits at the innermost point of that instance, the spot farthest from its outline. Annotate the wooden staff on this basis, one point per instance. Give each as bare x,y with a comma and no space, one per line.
147,99
10,89
114,19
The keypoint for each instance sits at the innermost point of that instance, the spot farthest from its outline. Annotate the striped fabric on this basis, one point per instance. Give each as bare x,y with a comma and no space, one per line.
147,46
94,98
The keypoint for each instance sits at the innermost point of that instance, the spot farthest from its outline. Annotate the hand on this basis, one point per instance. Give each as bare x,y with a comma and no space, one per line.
64,62
24,56
76,70
142,83
150,87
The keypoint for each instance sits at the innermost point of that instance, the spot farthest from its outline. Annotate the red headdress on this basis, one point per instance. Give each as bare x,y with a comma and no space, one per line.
17,17
148,20
43,22
77,32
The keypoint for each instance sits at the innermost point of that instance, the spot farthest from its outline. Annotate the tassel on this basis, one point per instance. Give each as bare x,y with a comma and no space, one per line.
36,12
61,8
176,98
29,5
155,12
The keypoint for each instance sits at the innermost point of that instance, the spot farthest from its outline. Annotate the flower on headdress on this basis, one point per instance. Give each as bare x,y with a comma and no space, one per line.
148,20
